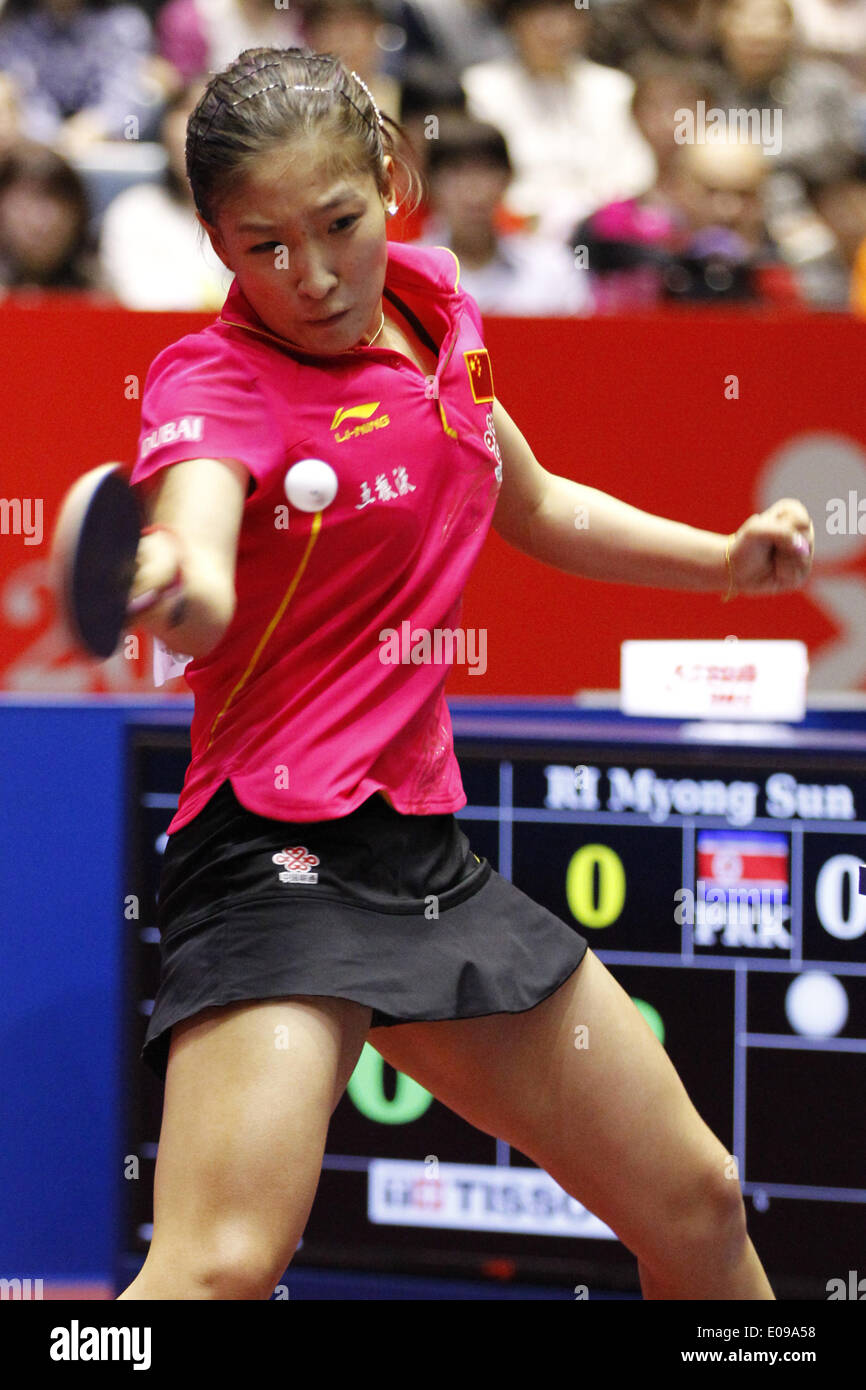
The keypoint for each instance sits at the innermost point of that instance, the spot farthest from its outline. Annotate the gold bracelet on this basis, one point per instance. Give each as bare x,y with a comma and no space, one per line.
731,590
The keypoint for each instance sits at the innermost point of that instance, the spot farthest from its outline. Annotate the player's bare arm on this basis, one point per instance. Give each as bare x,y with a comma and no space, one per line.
586,532
200,502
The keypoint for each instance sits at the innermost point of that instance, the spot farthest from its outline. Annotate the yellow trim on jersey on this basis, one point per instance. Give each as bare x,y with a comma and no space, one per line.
262,332
445,425
448,248
314,533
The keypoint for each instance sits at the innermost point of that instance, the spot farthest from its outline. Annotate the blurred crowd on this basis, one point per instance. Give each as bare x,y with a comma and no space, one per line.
579,156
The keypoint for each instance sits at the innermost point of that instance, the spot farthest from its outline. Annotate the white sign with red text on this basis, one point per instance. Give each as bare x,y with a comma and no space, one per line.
708,680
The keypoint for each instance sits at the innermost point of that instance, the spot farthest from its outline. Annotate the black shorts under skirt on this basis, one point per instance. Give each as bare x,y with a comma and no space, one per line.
392,911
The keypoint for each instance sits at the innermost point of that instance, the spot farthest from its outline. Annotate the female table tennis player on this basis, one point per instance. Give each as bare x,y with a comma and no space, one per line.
317,890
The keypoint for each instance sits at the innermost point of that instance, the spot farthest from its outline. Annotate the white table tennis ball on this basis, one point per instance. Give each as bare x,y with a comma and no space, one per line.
311,485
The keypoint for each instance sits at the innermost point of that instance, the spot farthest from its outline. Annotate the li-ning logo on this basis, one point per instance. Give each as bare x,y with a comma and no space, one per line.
298,861
362,412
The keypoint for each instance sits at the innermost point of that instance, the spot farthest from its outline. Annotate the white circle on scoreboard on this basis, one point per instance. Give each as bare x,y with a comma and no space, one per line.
816,1005
727,867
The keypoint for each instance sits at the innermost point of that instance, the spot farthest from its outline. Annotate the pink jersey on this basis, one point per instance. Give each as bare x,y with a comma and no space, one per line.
328,684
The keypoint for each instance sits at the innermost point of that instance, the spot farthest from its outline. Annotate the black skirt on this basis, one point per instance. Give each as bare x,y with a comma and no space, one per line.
392,911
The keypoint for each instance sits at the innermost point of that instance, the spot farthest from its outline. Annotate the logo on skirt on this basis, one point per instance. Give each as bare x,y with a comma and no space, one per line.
298,861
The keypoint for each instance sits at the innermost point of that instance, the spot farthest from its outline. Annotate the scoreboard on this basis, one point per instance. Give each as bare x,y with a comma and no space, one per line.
715,871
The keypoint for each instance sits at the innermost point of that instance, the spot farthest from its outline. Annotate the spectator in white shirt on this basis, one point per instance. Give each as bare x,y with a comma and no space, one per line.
567,121
507,273
153,252
834,29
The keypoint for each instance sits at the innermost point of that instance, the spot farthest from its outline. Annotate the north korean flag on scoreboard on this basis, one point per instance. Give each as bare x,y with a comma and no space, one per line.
743,859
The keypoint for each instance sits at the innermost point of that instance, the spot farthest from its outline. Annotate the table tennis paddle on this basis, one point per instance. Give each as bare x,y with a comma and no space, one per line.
93,553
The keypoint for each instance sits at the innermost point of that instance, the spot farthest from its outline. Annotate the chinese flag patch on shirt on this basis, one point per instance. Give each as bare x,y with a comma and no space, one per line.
480,374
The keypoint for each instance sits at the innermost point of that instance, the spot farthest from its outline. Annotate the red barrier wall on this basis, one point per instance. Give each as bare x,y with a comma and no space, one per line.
642,407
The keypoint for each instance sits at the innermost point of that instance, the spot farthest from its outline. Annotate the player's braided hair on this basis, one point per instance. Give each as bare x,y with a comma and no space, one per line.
265,98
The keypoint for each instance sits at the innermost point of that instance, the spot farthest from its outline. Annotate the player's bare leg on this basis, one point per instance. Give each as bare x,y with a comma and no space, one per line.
610,1121
250,1090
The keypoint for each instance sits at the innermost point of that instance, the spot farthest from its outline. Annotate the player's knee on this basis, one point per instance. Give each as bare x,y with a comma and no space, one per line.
241,1264
712,1214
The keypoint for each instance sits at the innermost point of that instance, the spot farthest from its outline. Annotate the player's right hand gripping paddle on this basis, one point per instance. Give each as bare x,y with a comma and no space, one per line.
93,553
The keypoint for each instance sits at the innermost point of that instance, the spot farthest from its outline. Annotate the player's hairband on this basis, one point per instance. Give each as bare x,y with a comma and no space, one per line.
200,133
305,87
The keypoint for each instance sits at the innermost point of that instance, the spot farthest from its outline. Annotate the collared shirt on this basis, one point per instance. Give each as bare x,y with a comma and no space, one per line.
328,684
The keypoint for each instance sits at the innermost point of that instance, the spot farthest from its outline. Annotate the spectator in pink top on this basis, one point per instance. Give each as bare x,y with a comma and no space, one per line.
317,891
200,36
621,241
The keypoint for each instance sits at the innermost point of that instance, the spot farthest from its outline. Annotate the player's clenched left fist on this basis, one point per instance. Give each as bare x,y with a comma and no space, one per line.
771,553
